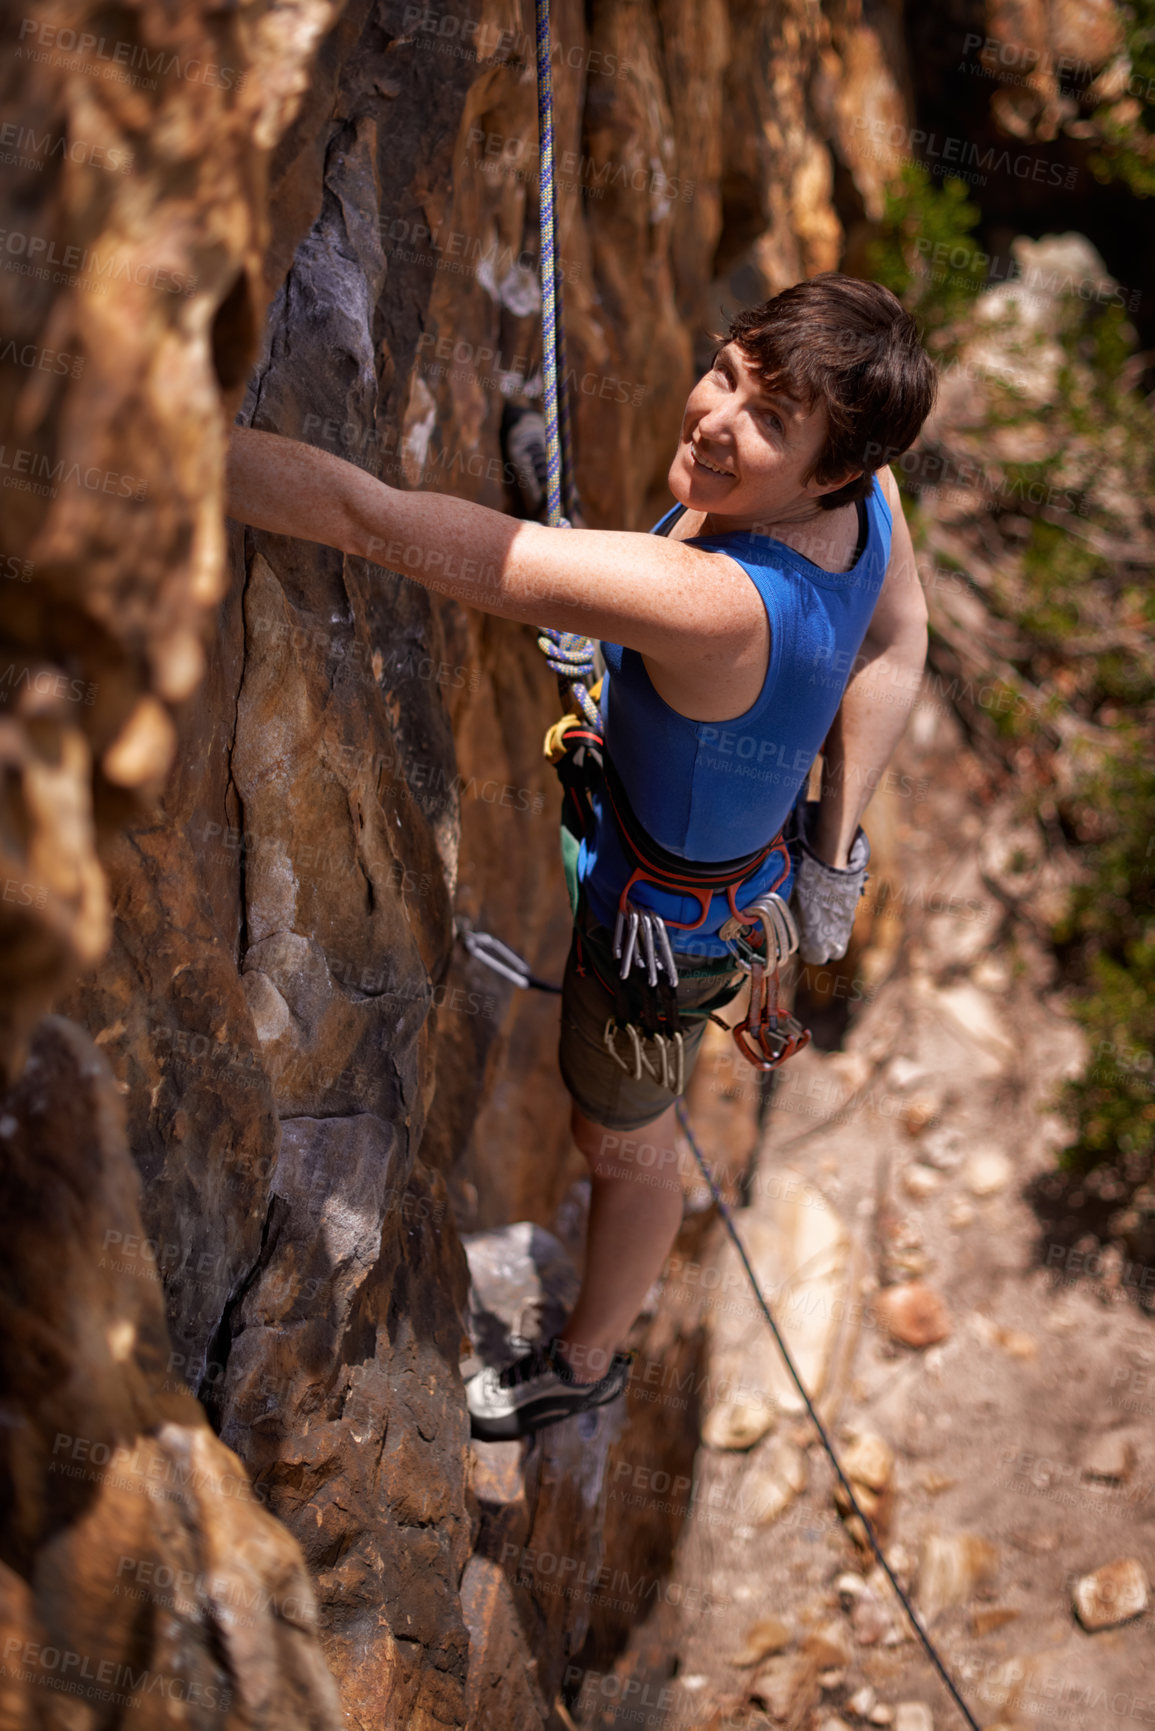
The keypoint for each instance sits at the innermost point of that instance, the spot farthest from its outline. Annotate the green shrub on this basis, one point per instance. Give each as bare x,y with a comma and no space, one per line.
1110,925
1127,126
920,218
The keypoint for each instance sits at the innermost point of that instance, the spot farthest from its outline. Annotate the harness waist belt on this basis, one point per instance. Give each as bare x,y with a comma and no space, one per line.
658,859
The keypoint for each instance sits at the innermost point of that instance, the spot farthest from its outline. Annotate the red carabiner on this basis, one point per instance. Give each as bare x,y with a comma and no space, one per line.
779,1035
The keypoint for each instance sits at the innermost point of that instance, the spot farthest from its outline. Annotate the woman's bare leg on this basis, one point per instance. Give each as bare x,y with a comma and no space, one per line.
635,1213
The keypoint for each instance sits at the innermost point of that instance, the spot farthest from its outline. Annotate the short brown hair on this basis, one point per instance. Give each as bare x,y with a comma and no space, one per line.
852,346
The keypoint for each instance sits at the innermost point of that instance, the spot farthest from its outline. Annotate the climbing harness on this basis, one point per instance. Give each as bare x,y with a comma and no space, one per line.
643,986
768,1036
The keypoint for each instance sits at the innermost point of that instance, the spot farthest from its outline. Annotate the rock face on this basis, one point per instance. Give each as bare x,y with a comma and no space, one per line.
252,784
140,1566
129,299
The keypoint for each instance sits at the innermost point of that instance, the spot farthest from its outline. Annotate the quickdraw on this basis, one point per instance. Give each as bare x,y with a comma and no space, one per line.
768,1034
642,927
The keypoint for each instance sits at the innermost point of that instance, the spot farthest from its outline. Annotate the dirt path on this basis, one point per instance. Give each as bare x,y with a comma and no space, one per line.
1023,1448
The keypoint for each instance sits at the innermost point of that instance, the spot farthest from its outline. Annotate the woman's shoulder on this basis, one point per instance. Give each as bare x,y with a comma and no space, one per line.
679,524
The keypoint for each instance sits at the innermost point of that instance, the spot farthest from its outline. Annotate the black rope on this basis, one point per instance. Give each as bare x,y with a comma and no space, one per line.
916,1625
494,954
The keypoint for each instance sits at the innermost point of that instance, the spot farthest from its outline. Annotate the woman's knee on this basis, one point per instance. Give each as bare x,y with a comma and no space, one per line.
647,1154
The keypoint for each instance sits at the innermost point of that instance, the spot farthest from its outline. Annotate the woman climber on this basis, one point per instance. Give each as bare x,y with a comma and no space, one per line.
775,613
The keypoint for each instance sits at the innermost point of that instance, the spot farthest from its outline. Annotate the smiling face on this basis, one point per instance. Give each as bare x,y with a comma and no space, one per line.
744,449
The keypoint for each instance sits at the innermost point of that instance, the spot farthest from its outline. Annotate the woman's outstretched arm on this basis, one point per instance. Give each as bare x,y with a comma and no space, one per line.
658,596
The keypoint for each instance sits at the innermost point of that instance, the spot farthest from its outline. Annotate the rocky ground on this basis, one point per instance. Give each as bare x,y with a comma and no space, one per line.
988,1381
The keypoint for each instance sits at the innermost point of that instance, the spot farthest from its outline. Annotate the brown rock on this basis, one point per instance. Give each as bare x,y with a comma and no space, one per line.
1109,1457
738,1424
991,1617
799,1245
1017,1344
248,849
951,1566
913,1314
987,1171
870,1620
1111,1595
1087,32
552,1505
920,1181
919,1113
786,1685
124,550
501,1690
944,1148
777,1474
868,1459
769,1635
829,1644
868,1462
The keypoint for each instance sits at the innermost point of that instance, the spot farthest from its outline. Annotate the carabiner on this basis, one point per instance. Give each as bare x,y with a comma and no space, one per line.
609,1036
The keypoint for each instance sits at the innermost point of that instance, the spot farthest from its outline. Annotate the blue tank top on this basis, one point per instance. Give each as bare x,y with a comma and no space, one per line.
718,790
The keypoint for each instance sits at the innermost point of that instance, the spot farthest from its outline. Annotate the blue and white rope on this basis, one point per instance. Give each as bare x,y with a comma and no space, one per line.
552,337
548,220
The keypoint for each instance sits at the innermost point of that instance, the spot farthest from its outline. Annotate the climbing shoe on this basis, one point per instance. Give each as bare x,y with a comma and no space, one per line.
534,1391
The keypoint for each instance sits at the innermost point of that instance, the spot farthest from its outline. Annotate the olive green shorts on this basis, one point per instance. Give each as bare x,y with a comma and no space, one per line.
601,1088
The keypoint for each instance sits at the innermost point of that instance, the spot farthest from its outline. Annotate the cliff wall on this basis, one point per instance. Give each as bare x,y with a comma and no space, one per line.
251,784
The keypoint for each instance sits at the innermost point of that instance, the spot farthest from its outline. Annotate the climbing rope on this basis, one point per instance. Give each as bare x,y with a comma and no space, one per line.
548,221
563,646
727,1217
553,342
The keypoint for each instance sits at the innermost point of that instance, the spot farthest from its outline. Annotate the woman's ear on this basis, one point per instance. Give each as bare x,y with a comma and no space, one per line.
833,486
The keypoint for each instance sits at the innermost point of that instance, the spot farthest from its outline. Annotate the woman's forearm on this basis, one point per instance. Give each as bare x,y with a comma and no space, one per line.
452,545
871,720
287,488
